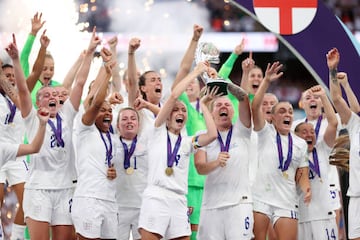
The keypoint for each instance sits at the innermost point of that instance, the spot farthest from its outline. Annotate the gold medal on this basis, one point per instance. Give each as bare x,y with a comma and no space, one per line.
285,175
169,171
129,170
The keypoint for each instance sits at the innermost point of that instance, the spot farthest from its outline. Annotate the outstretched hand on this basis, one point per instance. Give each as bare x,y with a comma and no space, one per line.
44,40
240,48
94,41
12,49
210,95
36,23
272,71
248,63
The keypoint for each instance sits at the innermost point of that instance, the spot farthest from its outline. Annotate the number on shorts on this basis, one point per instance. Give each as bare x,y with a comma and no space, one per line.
247,223
330,234
333,194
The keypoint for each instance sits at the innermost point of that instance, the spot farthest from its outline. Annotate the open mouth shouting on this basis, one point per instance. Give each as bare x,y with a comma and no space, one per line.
107,121
179,119
52,103
223,112
313,105
287,121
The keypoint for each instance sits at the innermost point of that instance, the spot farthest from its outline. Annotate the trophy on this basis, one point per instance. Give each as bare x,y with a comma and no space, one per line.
207,51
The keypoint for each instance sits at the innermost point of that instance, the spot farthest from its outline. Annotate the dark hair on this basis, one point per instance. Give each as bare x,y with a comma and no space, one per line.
297,128
142,79
7,65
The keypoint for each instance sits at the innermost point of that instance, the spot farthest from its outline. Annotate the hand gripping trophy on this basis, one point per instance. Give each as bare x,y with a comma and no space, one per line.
207,51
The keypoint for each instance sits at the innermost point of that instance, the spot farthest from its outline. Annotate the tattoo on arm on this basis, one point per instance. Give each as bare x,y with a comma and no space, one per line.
333,77
237,91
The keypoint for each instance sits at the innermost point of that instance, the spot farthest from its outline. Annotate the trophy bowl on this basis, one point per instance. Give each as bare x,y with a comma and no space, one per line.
207,51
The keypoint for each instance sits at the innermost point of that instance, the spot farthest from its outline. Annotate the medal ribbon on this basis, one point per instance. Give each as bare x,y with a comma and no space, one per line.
108,148
315,166
284,166
225,148
12,109
57,130
198,105
128,153
317,127
171,155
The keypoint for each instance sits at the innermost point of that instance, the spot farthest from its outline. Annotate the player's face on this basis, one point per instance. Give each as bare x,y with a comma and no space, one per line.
104,117
268,102
282,117
63,94
177,118
222,112
47,98
9,74
311,104
153,87
255,78
306,131
48,71
128,123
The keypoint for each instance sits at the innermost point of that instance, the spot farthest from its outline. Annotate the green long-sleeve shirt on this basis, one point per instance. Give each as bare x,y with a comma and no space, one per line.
224,72
24,61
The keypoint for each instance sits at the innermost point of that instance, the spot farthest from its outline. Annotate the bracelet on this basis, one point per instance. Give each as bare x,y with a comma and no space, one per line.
130,53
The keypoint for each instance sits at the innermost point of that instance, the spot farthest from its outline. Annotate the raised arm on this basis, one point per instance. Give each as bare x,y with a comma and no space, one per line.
331,129
333,59
244,105
140,103
211,133
165,111
39,62
100,88
272,73
35,145
76,92
36,25
228,65
246,65
115,78
351,97
186,62
71,74
24,94
133,87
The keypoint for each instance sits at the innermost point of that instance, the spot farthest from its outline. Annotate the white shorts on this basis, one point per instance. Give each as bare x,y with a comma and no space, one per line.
335,200
14,172
274,213
354,217
128,221
52,206
232,223
165,213
319,229
94,218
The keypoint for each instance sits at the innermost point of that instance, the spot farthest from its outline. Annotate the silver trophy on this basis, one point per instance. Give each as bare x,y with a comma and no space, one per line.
207,51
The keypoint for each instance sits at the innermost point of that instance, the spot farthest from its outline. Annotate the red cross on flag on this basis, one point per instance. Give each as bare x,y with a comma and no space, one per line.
285,16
